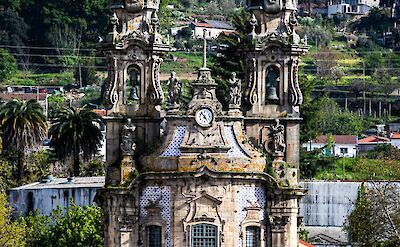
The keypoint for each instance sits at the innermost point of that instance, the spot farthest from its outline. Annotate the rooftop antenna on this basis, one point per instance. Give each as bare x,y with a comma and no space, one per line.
204,48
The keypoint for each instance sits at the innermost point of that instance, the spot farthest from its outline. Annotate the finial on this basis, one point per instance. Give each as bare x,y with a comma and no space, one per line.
204,48
253,23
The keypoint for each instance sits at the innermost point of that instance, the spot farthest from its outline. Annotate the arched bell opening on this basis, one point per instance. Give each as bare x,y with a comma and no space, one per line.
133,84
272,84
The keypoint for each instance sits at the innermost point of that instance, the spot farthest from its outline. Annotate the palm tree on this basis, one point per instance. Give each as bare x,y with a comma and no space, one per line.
23,126
75,131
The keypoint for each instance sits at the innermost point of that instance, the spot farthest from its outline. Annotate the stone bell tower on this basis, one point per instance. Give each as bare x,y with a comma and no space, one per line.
273,90
132,92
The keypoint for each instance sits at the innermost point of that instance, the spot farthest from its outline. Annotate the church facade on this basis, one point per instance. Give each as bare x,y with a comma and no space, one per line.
202,179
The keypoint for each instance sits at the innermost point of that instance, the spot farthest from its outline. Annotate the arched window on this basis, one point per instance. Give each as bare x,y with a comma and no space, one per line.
272,81
252,236
133,83
204,235
154,236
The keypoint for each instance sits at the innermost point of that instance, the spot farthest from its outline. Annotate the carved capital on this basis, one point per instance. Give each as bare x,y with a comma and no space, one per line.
278,223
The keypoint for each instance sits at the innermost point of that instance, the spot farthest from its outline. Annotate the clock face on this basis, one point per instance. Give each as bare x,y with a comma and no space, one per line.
204,117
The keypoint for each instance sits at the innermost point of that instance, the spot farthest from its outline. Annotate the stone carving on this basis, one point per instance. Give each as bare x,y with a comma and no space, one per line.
277,139
278,223
155,29
253,23
277,37
269,6
175,87
128,145
296,96
252,96
111,95
235,91
272,6
134,6
157,96
206,137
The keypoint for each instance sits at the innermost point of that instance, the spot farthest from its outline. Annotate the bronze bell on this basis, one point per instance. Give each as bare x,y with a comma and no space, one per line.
271,93
133,95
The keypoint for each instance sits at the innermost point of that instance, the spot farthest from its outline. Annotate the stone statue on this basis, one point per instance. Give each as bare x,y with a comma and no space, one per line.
175,87
235,90
276,133
128,144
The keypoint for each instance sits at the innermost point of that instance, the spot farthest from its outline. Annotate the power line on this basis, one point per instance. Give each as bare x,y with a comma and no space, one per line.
56,56
46,48
62,65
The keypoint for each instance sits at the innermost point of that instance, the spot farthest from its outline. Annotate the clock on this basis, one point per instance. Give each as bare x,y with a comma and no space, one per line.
204,117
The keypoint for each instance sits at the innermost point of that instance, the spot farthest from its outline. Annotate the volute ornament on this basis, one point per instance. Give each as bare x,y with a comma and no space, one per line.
157,96
111,94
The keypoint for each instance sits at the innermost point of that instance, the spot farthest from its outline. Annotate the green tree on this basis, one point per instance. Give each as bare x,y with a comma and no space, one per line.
360,227
8,65
24,126
73,226
75,131
11,233
375,220
231,60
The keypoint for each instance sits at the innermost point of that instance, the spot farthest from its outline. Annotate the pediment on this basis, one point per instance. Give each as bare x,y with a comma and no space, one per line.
206,197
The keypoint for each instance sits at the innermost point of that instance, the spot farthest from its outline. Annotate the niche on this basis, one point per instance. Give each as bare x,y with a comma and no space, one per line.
133,83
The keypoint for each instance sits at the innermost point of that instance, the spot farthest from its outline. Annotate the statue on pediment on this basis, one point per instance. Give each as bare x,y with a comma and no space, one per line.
235,91
175,87
128,145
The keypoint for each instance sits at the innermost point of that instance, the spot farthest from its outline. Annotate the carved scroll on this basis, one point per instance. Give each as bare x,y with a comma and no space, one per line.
111,94
157,96
296,96
252,96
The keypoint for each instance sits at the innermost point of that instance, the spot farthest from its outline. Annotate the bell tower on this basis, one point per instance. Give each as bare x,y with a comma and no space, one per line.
273,90
133,49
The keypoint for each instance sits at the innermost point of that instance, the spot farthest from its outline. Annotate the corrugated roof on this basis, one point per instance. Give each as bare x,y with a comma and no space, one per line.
214,24
373,139
338,139
87,182
219,24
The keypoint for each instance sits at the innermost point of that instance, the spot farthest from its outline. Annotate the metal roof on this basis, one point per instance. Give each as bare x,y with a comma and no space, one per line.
62,183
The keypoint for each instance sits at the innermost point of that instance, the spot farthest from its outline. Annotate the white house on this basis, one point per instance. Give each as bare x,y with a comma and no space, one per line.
213,29
351,7
342,146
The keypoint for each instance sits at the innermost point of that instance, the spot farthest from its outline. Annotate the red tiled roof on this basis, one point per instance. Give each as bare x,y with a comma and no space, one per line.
201,24
305,244
338,139
372,139
101,113
395,136
22,96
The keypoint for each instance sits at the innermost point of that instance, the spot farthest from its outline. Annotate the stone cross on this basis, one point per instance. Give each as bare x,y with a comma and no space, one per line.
204,48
